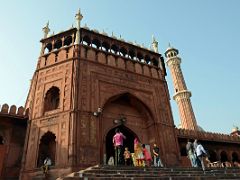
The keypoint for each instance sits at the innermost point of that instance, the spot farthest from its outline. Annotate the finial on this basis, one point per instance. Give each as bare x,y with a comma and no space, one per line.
113,35
153,38
104,33
47,24
234,126
169,45
78,17
154,44
46,30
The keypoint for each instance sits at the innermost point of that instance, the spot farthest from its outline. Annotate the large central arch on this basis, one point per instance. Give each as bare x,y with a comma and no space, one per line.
128,142
138,122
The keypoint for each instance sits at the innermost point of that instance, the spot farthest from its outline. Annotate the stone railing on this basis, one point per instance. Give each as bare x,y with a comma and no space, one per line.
60,47
208,136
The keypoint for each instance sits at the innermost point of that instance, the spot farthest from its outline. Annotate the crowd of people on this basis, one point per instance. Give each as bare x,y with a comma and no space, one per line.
140,157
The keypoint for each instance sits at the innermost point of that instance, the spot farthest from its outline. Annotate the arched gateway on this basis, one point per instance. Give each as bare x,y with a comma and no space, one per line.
128,142
132,117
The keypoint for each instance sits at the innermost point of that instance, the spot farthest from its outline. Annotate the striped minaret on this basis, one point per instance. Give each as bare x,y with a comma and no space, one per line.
182,95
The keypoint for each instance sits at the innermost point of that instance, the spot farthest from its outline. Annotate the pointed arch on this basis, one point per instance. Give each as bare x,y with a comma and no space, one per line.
130,135
51,99
140,103
223,156
235,157
47,148
58,44
68,40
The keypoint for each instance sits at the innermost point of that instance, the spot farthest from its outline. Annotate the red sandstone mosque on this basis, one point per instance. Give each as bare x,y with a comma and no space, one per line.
86,84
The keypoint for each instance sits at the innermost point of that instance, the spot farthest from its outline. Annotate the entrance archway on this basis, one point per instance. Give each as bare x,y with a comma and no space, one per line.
224,157
128,142
47,148
235,157
212,155
132,116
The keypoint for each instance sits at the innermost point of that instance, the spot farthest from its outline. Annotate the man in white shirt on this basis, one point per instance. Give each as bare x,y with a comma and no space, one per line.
201,152
47,162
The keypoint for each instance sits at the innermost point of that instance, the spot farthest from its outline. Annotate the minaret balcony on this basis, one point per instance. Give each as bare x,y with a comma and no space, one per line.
185,94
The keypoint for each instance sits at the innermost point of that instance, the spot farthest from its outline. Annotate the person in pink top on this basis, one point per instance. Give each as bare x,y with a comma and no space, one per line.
147,156
118,146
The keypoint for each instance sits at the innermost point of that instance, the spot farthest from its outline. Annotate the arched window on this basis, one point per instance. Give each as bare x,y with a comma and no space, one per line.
58,44
235,157
95,43
131,54
154,62
105,46
212,156
86,40
123,52
68,41
47,148
223,156
183,151
1,140
48,48
114,49
140,57
51,100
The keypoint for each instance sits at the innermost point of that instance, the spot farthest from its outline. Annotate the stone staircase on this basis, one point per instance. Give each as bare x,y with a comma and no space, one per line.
141,173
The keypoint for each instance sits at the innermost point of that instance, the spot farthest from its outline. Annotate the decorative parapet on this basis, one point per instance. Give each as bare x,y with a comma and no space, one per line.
13,111
206,136
100,42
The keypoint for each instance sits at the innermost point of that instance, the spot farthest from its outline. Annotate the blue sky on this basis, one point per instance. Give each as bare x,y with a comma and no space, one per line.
205,32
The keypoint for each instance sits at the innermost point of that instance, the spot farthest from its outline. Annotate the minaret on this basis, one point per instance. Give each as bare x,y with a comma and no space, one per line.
78,17
182,95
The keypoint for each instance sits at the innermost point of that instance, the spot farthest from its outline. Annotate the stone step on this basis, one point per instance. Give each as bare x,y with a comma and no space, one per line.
124,172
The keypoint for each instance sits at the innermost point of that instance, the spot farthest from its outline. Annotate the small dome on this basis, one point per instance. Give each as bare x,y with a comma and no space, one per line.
200,129
171,51
235,129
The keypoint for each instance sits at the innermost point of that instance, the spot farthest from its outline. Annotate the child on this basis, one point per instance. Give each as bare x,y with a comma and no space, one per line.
147,155
127,156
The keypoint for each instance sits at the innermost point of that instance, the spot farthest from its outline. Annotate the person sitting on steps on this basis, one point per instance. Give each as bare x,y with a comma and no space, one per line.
47,162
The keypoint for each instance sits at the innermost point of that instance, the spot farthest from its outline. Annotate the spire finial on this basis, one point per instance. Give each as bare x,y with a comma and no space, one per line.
169,45
78,17
153,38
46,30
154,44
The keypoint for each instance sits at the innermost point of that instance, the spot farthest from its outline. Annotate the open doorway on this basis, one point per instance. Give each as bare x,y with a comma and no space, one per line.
47,148
128,142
